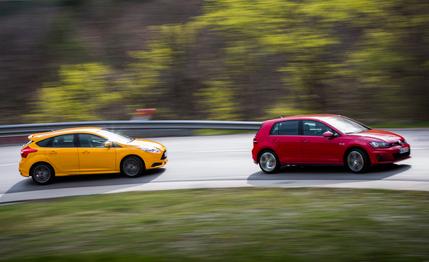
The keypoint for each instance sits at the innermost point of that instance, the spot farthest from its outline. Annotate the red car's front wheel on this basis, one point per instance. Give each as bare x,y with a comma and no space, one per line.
357,161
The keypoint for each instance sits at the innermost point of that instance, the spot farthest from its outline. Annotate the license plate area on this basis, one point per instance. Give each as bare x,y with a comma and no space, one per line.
404,150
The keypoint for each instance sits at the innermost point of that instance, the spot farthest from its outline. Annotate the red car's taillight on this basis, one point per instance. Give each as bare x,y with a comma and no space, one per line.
27,150
255,141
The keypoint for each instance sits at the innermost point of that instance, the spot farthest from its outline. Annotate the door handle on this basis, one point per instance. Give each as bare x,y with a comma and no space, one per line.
85,152
305,141
53,152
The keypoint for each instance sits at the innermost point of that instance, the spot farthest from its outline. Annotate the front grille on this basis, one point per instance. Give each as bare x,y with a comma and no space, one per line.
399,156
164,155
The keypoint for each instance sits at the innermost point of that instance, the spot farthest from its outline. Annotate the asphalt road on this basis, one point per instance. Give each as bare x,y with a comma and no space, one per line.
219,161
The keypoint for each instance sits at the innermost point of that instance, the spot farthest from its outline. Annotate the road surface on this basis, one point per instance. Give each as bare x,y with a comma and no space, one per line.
219,161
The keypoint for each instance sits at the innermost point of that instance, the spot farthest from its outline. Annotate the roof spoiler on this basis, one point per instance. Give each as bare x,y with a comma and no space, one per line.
36,134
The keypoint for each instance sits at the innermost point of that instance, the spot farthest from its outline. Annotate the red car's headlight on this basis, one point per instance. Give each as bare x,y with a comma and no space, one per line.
379,144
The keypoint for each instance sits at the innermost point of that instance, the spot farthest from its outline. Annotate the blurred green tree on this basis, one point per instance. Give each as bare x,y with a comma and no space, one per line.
81,93
217,100
239,59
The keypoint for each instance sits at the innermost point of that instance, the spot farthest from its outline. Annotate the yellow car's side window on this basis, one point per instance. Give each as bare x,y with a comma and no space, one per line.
63,141
88,140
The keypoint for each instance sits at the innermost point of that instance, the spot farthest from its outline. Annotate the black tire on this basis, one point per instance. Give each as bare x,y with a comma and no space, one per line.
132,166
42,173
357,161
268,162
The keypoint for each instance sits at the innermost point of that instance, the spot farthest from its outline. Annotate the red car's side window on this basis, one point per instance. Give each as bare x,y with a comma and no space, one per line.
314,128
286,128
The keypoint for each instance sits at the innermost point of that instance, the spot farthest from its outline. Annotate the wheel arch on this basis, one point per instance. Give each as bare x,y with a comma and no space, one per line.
122,160
265,149
41,162
347,151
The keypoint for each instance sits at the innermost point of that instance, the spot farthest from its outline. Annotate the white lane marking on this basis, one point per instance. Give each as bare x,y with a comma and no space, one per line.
211,151
8,164
396,185
62,192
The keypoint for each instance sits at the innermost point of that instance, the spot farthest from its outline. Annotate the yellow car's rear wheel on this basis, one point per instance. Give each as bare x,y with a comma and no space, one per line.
132,166
42,173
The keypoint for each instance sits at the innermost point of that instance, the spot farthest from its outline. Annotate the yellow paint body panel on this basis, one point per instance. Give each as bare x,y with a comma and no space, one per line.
89,160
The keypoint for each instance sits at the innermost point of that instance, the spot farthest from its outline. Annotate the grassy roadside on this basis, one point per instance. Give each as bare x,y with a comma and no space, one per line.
220,225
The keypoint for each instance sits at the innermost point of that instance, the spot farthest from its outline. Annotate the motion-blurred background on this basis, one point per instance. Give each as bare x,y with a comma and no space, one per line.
66,60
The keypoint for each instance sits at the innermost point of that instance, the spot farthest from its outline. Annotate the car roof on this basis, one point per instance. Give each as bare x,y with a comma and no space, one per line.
301,117
44,135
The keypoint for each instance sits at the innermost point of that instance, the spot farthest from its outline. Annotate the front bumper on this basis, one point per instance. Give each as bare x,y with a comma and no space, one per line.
389,155
161,162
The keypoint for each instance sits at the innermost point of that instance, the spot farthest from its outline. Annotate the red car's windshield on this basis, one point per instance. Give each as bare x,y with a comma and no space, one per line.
346,125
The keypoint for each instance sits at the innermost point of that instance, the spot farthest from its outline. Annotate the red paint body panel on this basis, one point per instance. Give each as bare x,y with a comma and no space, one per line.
303,149
288,147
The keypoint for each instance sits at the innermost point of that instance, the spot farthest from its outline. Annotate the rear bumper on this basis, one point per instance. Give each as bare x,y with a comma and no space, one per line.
24,168
255,154
22,173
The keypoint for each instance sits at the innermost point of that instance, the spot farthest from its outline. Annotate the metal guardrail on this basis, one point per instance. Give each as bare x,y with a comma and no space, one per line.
26,129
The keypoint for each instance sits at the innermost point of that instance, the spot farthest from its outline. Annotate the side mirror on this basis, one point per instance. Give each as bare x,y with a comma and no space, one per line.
108,144
328,134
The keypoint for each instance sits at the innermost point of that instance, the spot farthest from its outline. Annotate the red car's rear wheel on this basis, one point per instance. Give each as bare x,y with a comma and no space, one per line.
268,162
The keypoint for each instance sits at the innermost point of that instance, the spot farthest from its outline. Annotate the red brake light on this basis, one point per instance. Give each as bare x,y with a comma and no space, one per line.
27,150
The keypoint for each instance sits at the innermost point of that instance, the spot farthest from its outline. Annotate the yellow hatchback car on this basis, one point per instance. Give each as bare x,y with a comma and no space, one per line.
87,150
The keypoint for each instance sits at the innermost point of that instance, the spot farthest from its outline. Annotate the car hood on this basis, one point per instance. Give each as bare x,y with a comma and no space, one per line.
383,135
146,143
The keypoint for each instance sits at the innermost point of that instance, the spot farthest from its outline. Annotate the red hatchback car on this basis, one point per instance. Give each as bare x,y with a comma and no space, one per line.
325,140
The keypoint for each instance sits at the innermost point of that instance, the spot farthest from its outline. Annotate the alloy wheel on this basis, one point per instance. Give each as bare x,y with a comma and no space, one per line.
268,162
355,161
132,167
42,174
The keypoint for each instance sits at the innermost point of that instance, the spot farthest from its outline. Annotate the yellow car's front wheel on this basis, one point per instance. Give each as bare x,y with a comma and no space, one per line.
132,166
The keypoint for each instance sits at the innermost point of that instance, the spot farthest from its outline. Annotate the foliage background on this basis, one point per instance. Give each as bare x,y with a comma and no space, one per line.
64,60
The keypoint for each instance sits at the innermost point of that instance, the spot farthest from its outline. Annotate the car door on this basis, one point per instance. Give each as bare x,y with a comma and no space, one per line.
94,157
317,149
285,136
62,152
